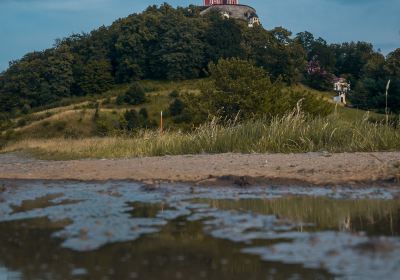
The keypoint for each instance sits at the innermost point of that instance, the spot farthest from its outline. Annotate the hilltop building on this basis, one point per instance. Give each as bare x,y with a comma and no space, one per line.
232,9
220,2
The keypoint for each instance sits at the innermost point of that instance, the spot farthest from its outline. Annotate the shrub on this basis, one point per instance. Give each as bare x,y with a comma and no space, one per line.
21,122
176,107
60,125
25,109
135,95
241,90
174,94
72,134
96,112
45,124
120,99
106,101
144,114
102,128
132,120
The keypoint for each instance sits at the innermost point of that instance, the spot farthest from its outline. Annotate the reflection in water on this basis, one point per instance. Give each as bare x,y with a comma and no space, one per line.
5,274
120,230
375,217
179,251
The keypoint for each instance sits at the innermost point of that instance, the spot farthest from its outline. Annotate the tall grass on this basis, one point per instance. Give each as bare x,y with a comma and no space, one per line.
293,132
323,212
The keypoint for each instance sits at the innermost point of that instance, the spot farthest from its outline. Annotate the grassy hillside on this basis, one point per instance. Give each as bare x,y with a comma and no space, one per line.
75,116
69,131
291,133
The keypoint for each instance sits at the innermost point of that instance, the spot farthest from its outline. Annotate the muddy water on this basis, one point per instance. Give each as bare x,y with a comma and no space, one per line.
122,230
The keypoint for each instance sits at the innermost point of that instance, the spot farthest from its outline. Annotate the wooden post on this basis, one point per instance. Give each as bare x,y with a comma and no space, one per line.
161,122
386,108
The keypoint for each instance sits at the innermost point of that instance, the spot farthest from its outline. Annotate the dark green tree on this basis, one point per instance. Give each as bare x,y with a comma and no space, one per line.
135,95
176,107
94,77
226,46
132,120
392,67
240,89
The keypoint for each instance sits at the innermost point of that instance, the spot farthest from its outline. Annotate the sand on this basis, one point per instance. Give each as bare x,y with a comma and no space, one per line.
239,169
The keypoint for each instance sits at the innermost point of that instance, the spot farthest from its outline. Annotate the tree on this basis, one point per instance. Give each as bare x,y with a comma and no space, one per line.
351,58
135,95
318,78
179,52
392,67
275,51
317,50
226,46
240,89
132,120
94,77
176,107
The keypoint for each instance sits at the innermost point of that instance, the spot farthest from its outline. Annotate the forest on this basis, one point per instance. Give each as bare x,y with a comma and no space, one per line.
166,43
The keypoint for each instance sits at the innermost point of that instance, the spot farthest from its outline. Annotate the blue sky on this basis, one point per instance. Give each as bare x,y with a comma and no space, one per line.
27,25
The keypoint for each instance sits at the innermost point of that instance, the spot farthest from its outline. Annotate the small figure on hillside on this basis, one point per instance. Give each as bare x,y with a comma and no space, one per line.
342,87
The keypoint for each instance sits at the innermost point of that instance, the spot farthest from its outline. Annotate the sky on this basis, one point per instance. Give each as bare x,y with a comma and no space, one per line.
33,25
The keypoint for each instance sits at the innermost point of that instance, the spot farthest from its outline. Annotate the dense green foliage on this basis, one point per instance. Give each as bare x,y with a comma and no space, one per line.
240,90
135,95
366,69
160,43
175,44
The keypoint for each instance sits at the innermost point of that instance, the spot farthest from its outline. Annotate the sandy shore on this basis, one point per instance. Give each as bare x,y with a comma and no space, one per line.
240,169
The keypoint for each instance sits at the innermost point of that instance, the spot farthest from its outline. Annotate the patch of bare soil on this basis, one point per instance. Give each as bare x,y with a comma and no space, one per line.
239,169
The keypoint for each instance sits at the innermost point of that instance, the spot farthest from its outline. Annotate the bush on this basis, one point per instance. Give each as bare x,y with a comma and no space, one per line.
135,95
318,78
45,123
25,109
174,94
144,114
60,125
176,107
241,90
102,128
21,122
72,134
132,120
106,101
120,99
96,114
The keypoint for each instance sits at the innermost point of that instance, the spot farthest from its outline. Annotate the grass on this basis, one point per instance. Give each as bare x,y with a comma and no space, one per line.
43,133
323,212
288,134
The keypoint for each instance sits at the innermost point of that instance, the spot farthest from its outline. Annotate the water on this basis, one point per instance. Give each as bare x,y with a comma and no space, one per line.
122,230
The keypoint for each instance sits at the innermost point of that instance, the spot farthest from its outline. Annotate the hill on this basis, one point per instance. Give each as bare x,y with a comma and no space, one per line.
177,44
255,83
73,131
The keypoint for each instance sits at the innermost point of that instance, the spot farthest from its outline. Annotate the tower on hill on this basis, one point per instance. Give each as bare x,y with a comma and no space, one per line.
220,2
232,9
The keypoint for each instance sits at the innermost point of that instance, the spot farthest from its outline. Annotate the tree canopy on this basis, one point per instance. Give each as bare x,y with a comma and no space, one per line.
241,90
167,43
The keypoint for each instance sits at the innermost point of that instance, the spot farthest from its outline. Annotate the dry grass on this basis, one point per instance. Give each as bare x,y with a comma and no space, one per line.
291,133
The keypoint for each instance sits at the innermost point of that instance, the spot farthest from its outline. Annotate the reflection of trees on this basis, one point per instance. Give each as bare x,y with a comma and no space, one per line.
179,249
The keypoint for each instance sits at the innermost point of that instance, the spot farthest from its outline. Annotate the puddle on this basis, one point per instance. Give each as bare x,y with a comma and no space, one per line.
120,230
